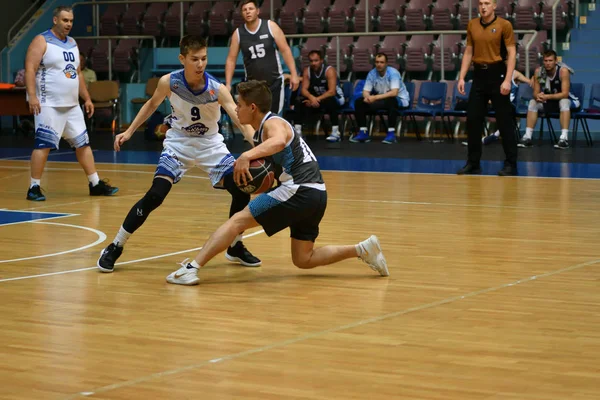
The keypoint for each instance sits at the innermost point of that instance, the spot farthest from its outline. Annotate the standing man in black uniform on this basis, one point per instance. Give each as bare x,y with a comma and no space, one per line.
259,40
490,41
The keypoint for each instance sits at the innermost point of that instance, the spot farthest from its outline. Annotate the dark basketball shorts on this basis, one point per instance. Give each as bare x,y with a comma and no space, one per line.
300,208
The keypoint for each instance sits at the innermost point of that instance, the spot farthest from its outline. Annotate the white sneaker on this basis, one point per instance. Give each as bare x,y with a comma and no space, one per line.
333,138
372,255
186,275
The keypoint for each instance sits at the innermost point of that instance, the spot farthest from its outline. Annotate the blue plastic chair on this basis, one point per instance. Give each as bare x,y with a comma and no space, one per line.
578,90
431,103
592,112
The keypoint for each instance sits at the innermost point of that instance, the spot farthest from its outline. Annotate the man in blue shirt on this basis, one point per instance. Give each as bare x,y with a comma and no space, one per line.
384,90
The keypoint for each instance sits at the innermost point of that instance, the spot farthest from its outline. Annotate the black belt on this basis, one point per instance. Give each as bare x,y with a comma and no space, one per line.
487,66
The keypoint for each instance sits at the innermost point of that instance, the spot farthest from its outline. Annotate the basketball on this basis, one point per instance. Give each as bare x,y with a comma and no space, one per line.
263,177
161,131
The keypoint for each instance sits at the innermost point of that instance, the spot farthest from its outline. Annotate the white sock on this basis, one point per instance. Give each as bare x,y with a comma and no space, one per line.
564,134
194,264
94,179
363,129
335,130
35,182
122,237
238,238
528,133
391,130
497,133
298,128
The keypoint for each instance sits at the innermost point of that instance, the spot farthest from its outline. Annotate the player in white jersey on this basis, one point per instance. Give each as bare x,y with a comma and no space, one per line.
54,83
193,141
299,202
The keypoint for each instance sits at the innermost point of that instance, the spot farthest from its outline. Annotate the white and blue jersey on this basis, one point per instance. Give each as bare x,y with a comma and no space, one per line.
193,140
194,113
56,80
392,79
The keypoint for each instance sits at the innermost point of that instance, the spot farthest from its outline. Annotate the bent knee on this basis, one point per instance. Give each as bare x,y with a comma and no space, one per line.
301,262
564,105
534,106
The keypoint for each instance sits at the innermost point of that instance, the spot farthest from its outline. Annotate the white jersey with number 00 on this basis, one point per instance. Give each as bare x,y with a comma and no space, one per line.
56,81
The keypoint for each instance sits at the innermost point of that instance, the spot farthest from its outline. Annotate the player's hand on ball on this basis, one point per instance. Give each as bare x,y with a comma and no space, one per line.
120,139
241,170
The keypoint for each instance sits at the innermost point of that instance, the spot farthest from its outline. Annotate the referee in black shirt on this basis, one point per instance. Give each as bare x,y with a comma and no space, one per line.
491,47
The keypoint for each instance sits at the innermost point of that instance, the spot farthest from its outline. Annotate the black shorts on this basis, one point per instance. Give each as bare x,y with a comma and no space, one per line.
281,207
277,93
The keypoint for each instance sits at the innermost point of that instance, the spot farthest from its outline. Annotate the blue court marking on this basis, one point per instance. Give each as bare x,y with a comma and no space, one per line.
11,217
365,164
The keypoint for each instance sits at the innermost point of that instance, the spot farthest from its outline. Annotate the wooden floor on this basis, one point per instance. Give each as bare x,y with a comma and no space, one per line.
494,294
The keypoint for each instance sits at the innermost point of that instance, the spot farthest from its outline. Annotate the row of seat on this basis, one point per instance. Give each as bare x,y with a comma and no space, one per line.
417,53
317,16
431,99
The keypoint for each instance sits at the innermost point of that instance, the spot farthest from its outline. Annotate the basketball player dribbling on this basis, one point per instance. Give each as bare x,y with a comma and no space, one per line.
193,140
299,201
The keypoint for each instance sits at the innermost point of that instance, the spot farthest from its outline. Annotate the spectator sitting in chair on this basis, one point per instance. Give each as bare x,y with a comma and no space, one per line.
551,94
320,94
385,90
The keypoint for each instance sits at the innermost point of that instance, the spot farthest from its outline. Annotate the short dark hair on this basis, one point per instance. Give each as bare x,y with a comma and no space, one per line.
317,52
550,53
256,92
60,9
191,43
381,55
244,2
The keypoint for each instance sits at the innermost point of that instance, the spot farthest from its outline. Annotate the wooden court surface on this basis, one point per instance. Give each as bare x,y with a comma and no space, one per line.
494,294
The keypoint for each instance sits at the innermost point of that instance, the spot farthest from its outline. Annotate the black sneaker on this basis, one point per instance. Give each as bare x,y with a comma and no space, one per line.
508,170
525,143
102,189
469,169
108,257
239,253
35,194
562,144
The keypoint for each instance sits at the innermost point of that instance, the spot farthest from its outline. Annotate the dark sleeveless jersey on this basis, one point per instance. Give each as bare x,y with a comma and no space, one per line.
318,82
552,84
261,60
298,163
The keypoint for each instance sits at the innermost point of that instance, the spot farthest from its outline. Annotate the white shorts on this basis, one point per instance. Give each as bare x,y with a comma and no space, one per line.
180,153
52,123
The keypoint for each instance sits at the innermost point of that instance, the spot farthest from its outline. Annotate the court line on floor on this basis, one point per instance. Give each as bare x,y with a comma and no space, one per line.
28,156
20,278
313,335
39,212
101,238
102,170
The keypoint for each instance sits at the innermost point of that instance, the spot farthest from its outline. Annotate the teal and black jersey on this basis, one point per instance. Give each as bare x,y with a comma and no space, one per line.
299,166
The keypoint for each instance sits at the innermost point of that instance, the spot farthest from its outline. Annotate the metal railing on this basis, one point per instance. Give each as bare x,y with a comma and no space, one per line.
25,14
110,58
403,33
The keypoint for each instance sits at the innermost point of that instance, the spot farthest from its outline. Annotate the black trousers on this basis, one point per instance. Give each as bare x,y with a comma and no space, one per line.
362,109
305,114
486,87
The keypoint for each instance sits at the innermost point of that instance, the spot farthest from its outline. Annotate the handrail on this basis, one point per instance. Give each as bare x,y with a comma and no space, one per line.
403,33
8,38
141,37
554,7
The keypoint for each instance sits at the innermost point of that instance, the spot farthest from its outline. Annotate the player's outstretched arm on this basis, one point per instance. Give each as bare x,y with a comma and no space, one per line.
162,90
226,101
